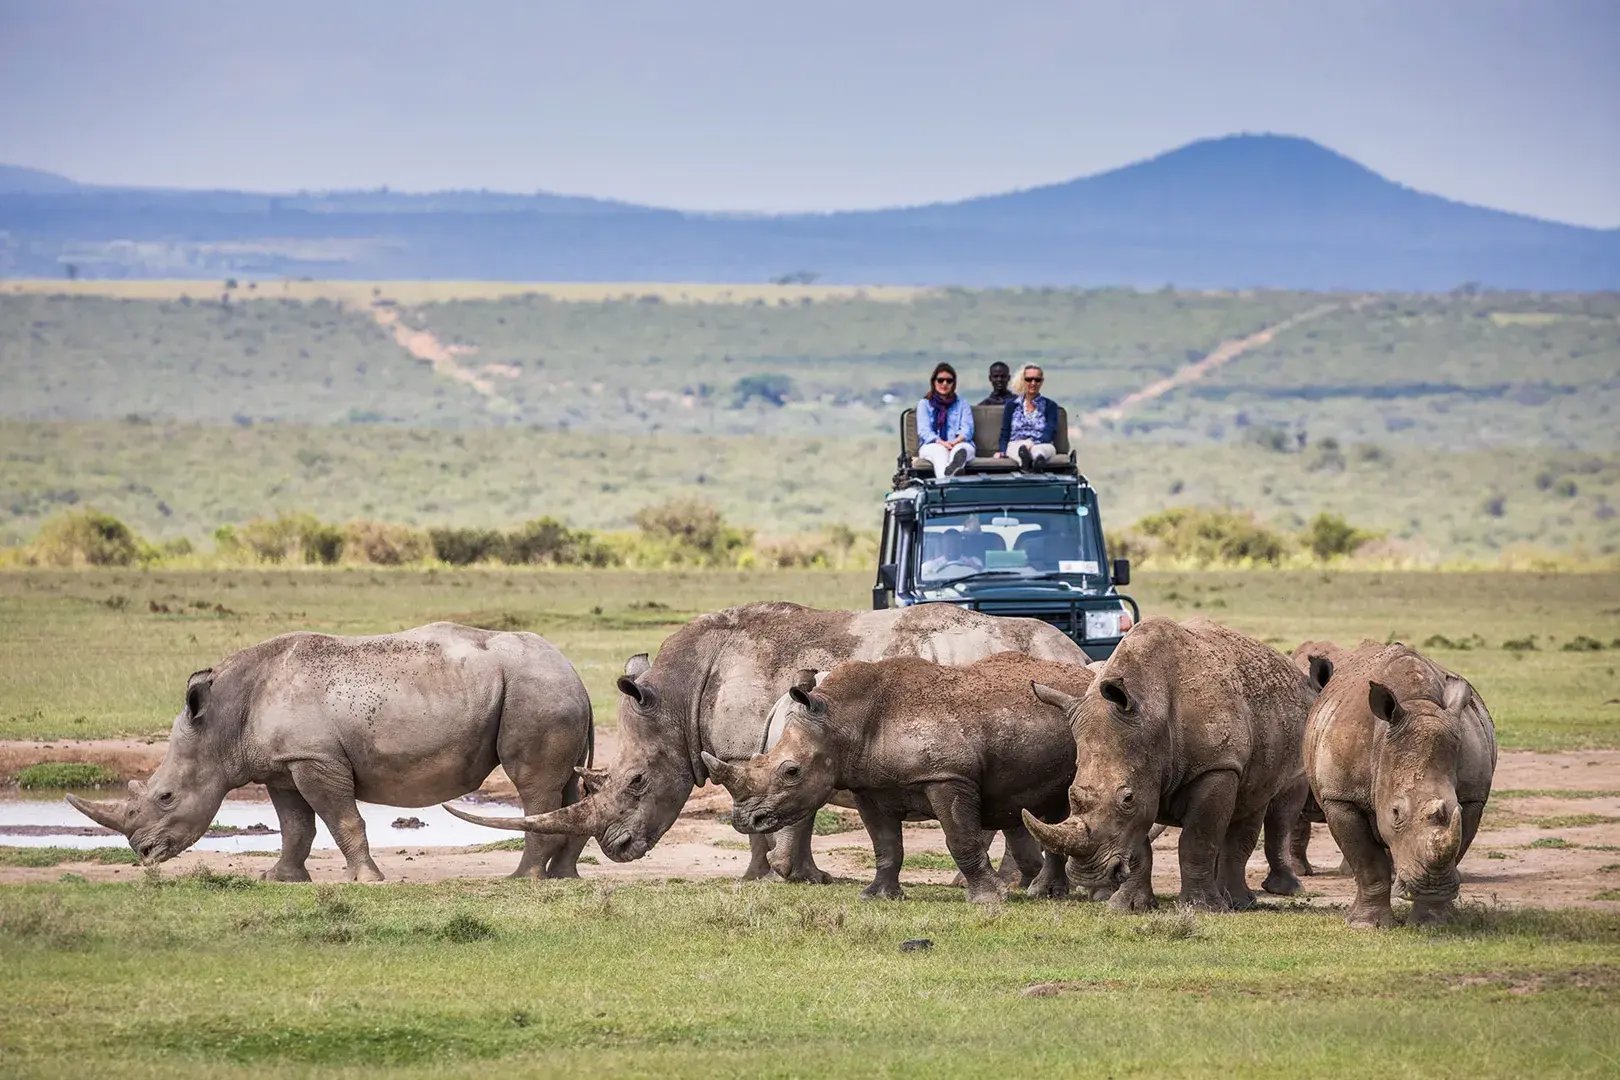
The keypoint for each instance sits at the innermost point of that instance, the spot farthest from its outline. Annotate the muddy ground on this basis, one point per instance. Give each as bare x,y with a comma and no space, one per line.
1551,837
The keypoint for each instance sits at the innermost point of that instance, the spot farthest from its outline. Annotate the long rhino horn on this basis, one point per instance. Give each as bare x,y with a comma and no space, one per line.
578,819
1448,846
1061,839
112,815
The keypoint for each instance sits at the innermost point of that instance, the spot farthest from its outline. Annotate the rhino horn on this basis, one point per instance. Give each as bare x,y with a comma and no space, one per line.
722,773
578,819
1061,839
112,815
1448,845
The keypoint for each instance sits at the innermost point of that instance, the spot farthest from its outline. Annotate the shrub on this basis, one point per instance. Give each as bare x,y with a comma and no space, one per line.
286,537
383,543
771,388
86,538
1330,536
695,531
459,547
1212,536
547,541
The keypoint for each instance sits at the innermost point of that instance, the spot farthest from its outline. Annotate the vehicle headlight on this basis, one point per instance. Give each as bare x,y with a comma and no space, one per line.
1107,624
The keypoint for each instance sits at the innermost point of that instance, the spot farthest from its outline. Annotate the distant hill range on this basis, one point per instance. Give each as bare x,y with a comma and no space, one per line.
1236,212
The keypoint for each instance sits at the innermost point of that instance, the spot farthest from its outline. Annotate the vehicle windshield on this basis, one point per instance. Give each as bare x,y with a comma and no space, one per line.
1009,543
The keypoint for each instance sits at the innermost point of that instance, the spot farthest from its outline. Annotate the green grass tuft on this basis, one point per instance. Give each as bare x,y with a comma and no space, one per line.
56,856
65,774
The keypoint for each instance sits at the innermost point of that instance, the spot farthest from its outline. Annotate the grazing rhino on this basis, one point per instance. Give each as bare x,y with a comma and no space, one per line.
1188,724
407,719
1400,754
969,746
713,685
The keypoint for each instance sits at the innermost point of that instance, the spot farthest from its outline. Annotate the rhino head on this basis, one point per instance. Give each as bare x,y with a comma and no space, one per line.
1414,793
1114,799
174,808
791,779
630,806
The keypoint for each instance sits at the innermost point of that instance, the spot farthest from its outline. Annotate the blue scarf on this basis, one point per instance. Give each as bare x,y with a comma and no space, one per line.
941,404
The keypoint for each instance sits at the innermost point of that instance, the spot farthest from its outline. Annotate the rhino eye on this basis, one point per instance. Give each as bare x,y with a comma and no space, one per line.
165,798
1127,799
638,784
789,770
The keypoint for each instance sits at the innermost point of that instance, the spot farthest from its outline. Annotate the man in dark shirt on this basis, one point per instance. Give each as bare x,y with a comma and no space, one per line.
999,374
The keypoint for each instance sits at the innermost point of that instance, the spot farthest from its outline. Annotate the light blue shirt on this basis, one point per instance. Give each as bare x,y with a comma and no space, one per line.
958,422
1031,426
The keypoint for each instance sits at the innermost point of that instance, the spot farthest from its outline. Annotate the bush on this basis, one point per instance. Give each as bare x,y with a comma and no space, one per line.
1212,536
459,547
694,530
286,537
86,538
548,542
1330,536
771,388
383,543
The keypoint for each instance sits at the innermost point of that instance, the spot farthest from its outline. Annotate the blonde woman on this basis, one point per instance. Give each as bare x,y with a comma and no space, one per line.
1029,423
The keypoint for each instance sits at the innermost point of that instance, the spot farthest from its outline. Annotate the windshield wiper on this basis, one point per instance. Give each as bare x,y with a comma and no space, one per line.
1017,572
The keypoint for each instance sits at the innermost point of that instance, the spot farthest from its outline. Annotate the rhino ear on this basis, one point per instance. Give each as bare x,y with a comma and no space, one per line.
1113,691
198,689
1321,671
1053,696
637,666
814,704
1457,694
807,679
645,696
1381,700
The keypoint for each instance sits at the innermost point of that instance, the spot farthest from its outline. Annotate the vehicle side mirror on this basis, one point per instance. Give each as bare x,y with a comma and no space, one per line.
880,598
1122,571
886,573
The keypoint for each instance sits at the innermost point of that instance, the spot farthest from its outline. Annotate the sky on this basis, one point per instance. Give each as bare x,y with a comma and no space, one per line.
765,106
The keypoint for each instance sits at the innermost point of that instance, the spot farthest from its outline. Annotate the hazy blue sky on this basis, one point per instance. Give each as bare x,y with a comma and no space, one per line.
810,105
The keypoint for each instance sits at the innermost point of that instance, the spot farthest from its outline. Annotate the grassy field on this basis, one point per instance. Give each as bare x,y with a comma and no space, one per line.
92,654
169,480
222,976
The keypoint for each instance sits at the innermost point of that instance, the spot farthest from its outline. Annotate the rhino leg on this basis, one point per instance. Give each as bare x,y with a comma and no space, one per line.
1025,855
1135,893
297,819
957,807
884,828
1299,848
1369,861
1210,799
792,858
1283,822
1052,883
329,790
565,863
541,790
759,849
1233,863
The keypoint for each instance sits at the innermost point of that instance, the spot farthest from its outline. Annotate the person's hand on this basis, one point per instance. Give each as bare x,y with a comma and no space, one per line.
1000,454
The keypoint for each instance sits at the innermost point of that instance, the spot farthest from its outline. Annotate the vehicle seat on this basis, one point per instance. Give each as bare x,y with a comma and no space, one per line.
986,437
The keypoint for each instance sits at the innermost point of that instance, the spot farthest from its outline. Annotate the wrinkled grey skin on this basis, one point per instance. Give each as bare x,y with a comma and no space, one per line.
712,687
1188,724
969,746
407,719
1400,754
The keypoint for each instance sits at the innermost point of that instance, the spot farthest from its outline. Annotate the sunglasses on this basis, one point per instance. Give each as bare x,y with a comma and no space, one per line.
1036,379
944,380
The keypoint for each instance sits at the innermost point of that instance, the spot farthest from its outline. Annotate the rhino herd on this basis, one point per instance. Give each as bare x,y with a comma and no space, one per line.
926,712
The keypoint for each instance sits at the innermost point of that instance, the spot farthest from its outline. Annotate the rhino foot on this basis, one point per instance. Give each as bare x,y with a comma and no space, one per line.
558,872
286,873
755,873
1132,900
808,875
883,890
1282,882
993,891
1432,914
1049,887
1370,918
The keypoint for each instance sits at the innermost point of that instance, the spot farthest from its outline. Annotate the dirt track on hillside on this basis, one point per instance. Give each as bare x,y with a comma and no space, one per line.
1504,866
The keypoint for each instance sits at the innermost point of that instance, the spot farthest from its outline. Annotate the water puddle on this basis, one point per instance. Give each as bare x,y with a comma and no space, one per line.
31,819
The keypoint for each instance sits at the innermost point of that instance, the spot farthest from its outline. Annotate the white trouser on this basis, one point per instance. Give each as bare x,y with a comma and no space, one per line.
939,457
1040,451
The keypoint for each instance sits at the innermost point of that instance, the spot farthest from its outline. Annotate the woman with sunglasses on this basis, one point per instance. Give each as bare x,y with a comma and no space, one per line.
945,424
1029,424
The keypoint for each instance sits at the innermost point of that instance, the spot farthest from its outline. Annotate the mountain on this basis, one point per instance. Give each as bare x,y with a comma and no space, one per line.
1234,212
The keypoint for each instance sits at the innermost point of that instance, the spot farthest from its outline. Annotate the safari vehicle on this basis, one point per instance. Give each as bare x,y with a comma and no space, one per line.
1002,540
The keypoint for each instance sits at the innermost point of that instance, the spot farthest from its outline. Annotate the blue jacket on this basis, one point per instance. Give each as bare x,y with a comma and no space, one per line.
958,422
1049,422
